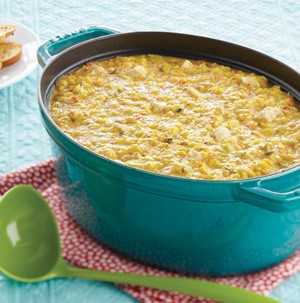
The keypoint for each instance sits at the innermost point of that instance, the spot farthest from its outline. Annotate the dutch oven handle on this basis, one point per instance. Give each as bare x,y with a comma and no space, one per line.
58,44
268,199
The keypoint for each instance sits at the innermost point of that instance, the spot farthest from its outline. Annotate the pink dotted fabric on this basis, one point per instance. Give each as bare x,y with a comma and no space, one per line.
81,250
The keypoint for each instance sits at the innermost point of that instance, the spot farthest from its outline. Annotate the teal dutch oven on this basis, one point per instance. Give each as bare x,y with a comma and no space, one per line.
183,225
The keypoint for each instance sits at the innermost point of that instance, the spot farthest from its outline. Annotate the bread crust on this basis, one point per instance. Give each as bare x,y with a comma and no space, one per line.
10,52
6,30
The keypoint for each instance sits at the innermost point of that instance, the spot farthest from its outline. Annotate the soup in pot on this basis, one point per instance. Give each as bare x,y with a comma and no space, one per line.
179,117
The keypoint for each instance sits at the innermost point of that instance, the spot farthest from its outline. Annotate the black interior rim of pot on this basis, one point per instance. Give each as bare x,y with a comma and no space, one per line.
172,44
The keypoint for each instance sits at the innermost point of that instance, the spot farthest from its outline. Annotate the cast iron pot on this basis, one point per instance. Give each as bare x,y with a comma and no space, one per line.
189,226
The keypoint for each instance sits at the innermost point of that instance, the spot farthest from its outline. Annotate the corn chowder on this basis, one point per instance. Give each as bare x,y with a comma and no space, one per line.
179,117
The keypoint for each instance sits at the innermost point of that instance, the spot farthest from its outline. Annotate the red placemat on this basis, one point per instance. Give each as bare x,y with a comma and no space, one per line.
81,250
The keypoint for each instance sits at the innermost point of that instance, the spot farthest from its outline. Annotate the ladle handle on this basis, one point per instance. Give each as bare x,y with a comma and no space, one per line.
193,287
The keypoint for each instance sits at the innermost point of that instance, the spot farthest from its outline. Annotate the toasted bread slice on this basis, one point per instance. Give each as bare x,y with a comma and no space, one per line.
0,64
6,30
10,52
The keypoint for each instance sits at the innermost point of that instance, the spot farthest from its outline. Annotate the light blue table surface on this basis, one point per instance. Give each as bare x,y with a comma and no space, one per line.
272,27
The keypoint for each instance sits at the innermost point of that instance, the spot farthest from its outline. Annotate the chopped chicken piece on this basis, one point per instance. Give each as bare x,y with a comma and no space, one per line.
194,155
96,70
159,107
187,64
124,128
268,114
138,71
194,92
221,133
251,81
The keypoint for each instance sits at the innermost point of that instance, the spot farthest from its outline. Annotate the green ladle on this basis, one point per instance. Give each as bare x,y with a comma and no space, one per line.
30,251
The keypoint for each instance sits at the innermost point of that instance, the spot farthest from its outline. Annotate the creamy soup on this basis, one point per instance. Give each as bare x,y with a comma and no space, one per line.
179,117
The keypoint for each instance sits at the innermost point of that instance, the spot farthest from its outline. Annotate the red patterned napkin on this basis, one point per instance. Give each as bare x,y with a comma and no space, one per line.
81,250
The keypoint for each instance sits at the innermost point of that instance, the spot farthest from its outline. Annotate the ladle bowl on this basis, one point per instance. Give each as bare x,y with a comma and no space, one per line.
30,251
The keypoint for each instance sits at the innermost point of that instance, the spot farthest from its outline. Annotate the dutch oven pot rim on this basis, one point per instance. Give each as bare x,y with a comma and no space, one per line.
252,191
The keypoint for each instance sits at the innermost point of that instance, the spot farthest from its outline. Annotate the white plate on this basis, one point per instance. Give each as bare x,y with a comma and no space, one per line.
19,70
